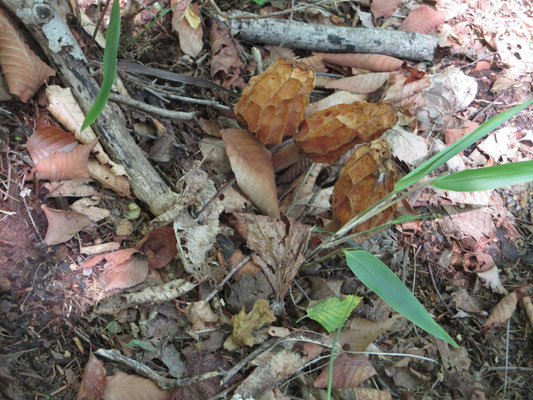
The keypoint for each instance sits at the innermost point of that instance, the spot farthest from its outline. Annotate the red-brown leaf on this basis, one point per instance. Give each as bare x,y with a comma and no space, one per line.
371,62
502,312
349,370
122,386
189,37
226,64
384,8
159,246
94,380
252,164
47,140
125,275
24,71
63,225
364,83
423,20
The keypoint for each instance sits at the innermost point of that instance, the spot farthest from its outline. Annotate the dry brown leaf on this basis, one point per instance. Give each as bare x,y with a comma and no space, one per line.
453,135
336,98
107,179
315,62
126,274
502,312
384,8
63,225
370,62
71,188
94,380
210,126
23,70
65,109
248,268
112,258
201,316
364,83
47,140
362,332
408,91
274,102
226,63
278,243
159,246
190,37
372,394
87,206
252,164
349,370
367,177
528,309
423,20
244,324
122,386
326,135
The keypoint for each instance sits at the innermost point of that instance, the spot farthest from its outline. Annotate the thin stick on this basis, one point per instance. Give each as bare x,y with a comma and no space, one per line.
175,115
227,278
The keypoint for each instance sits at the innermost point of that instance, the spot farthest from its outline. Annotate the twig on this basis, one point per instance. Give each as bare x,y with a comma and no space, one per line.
227,278
506,359
216,196
142,369
176,115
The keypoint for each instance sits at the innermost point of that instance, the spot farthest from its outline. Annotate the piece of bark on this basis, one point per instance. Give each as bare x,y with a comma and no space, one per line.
334,39
57,42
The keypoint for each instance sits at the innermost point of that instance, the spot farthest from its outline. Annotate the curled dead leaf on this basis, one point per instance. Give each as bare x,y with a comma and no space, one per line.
63,225
23,70
159,246
502,312
349,370
252,164
367,177
274,102
94,380
326,135
104,175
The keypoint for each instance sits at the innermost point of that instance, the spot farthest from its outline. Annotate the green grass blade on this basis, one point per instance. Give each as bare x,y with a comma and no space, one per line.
110,65
379,278
331,313
439,159
494,177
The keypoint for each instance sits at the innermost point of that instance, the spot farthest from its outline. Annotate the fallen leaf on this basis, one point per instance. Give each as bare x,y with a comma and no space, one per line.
370,62
502,312
244,324
338,97
126,274
94,380
362,332
214,152
273,103
372,394
101,173
326,135
226,63
423,20
159,246
201,316
278,243
186,21
453,135
407,146
252,164
384,8
63,225
248,268
87,206
122,386
24,71
364,83
71,188
349,370
526,304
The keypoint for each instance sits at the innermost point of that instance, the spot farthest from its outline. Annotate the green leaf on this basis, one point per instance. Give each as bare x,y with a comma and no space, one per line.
134,211
141,344
439,159
110,65
332,312
379,278
113,327
494,177
260,2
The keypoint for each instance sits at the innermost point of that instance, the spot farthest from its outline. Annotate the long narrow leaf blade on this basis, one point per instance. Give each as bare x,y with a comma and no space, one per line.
494,177
379,278
439,159
110,65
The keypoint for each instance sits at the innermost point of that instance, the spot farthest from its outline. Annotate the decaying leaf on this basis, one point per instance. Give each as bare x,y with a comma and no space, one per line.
362,332
384,8
370,62
23,70
159,246
63,106
244,324
63,225
337,97
94,380
349,370
226,63
526,304
252,164
364,83
274,102
87,206
201,316
122,386
423,20
326,135
372,394
278,243
71,188
58,155
502,312
367,177
186,21
104,175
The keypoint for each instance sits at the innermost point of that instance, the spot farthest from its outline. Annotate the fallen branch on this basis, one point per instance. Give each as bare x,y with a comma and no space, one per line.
56,40
333,39
170,114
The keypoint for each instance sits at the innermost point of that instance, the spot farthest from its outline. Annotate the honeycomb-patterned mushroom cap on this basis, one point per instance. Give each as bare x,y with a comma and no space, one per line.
368,176
274,102
326,135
